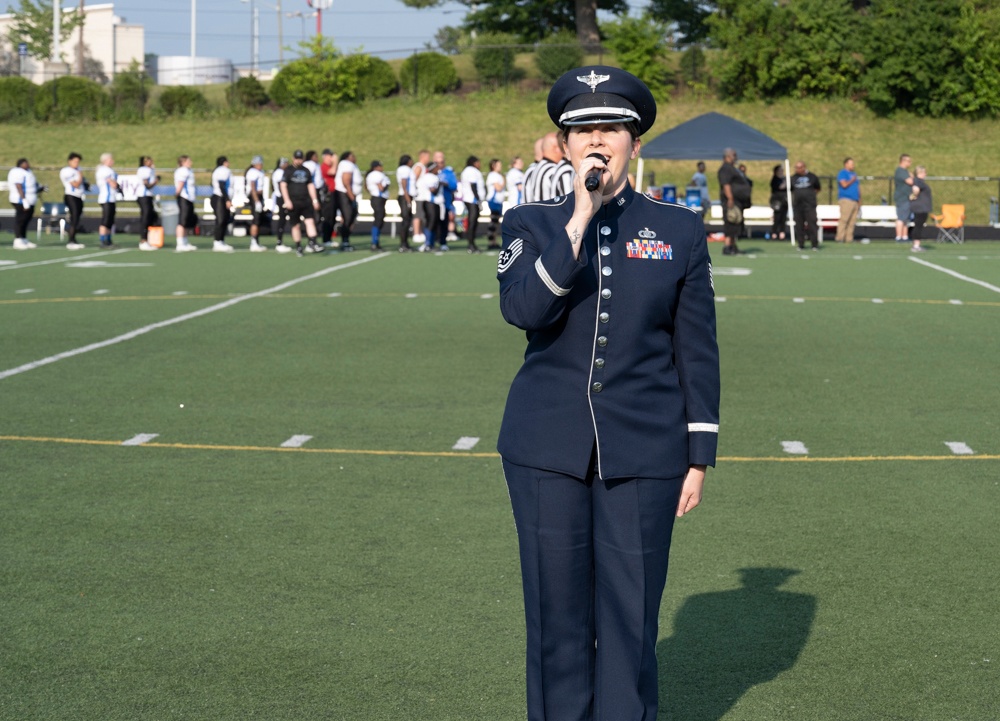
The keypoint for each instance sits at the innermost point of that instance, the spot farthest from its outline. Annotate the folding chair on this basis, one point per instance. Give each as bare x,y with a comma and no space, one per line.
951,224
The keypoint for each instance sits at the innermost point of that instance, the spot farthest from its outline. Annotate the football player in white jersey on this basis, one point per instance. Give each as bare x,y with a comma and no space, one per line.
473,193
404,177
74,187
186,190
254,180
23,188
278,213
377,183
222,203
148,179
107,196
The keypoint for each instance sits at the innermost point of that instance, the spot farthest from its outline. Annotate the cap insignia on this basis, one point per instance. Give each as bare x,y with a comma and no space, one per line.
646,234
593,80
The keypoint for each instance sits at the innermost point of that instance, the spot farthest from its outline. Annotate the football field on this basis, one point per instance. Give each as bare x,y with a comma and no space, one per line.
255,486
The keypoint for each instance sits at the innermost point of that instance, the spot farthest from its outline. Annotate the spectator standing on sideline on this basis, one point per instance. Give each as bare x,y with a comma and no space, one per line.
404,174
495,195
446,197
107,196
743,225
222,202
921,206
515,181
531,187
328,171
349,183
779,203
700,181
734,193
378,189
849,199
23,188
186,191
901,197
805,190
278,211
419,168
473,193
146,173
74,188
254,181
298,193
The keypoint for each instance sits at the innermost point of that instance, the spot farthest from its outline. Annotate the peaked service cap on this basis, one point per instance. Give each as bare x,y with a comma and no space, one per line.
601,94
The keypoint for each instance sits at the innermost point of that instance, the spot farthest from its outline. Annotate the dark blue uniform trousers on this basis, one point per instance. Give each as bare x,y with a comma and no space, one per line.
593,564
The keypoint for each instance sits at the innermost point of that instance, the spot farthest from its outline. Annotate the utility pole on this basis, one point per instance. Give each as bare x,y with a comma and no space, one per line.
79,42
56,29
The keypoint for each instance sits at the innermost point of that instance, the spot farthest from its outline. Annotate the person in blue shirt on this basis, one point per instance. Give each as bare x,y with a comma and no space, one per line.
700,181
613,417
849,198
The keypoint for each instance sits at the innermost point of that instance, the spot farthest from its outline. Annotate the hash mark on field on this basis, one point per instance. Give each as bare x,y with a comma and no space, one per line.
102,291
797,448
139,439
296,441
179,292
955,301
333,295
959,448
486,296
720,299
877,301
465,443
798,300
25,290
411,295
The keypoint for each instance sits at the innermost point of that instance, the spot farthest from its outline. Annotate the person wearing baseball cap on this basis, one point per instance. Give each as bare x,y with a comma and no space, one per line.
614,416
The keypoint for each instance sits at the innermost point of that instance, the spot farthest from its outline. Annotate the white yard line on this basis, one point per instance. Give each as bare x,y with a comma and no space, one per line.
67,259
181,318
954,274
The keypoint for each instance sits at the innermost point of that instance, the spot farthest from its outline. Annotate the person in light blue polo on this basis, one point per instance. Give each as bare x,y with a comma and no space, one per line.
614,416
849,199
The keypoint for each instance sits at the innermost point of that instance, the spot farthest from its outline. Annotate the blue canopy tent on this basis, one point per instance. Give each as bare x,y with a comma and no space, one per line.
707,136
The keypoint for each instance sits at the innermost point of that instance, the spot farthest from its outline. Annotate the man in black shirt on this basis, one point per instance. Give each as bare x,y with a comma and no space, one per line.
298,193
735,196
805,187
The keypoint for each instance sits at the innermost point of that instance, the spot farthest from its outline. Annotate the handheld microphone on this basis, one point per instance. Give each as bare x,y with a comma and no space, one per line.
593,179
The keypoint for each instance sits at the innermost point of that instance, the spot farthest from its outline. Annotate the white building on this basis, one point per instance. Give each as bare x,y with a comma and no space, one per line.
107,38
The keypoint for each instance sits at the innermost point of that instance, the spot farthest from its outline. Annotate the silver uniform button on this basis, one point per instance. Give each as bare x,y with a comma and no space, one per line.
606,270
604,317
606,293
605,230
602,341
605,250
597,387
599,363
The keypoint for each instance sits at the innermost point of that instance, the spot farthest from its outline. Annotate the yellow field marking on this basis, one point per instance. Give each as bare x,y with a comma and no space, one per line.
453,454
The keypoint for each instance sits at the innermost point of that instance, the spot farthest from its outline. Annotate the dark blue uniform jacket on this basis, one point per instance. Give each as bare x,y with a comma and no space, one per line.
621,342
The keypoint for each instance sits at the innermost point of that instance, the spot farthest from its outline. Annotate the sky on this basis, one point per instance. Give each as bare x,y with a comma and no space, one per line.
387,28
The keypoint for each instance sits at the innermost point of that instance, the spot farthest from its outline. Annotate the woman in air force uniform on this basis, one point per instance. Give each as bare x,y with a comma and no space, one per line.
613,417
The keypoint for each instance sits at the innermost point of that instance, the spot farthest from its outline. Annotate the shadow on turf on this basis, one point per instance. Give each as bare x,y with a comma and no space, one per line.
726,642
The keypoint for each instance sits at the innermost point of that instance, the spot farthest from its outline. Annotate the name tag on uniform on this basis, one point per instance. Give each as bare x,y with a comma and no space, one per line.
649,249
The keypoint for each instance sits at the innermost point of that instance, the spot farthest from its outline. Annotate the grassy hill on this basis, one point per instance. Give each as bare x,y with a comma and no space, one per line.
505,123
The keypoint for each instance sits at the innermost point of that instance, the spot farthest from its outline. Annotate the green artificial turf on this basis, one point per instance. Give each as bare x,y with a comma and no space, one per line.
372,574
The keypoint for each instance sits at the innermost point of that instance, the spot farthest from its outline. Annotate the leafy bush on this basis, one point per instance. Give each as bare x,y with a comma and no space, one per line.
638,45
376,79
182,100
428,73
246,92
493,54
71,98
17,99
130,92
694,68
558,54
